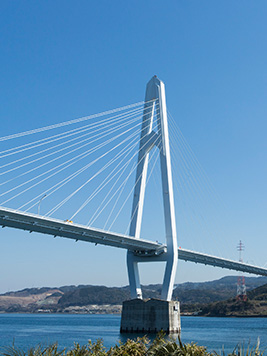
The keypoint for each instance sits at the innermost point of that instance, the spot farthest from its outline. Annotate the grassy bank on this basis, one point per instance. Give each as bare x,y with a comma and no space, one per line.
140,347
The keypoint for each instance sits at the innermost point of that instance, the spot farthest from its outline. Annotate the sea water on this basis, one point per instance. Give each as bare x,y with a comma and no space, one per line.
27,330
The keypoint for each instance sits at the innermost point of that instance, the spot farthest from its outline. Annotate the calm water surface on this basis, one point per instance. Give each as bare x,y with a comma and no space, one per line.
31,329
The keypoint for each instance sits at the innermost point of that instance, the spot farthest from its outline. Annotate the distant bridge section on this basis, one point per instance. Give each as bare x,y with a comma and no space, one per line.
205,259
144,248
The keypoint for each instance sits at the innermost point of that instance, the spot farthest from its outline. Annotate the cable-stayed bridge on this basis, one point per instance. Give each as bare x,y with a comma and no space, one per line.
105,147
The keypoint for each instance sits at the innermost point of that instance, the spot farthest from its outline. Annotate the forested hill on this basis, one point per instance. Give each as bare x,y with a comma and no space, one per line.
88,298
254,306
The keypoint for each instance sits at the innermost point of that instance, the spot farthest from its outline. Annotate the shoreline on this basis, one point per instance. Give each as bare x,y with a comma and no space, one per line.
99,313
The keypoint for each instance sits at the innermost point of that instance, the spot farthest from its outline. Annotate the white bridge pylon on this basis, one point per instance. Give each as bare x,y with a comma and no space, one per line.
155,93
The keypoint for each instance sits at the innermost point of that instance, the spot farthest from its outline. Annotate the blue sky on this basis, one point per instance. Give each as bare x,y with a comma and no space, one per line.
63,60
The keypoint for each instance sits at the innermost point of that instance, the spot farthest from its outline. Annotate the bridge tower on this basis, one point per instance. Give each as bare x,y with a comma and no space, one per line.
154,109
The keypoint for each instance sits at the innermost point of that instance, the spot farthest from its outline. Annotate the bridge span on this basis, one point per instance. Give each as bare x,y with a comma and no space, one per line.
144,250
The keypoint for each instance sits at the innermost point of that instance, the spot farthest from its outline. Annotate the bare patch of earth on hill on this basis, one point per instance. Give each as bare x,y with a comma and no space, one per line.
10,303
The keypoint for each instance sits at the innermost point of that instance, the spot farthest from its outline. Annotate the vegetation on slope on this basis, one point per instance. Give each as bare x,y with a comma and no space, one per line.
254,306
100,299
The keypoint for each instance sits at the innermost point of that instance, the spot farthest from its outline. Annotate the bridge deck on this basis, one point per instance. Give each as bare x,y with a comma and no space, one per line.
32,222
35,223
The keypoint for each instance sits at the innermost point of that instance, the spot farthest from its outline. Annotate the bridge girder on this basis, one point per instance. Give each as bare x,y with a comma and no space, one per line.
144,250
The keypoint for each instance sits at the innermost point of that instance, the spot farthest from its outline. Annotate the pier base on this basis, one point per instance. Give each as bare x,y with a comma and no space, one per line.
150,316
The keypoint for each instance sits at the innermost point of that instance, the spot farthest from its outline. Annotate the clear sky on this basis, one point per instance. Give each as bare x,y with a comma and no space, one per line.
63,60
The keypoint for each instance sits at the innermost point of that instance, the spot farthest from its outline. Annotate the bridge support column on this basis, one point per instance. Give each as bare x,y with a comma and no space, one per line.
133,272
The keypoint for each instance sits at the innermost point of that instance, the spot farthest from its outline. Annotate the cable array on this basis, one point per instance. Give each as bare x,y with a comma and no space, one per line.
66,123
84,170
197,202
86,163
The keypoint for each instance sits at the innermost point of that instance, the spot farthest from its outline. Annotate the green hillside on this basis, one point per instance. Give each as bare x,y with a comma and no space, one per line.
254,306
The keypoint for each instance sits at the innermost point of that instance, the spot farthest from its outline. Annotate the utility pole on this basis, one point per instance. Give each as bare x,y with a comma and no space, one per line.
241,293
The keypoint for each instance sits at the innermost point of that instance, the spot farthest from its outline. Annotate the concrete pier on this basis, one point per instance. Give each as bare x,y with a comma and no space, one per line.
150,316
